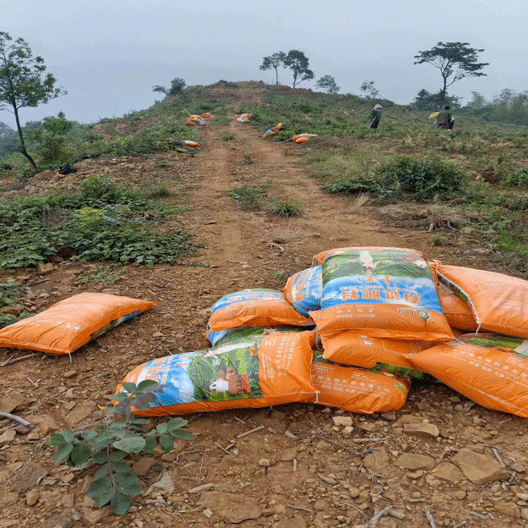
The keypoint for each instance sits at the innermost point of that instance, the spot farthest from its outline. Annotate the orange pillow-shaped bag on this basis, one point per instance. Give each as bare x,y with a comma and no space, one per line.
380,292
272,372
356,390
457,312
350,348
70,324
254,307
499,302
490,369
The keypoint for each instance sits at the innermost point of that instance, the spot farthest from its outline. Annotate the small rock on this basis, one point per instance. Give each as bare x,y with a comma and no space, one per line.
32,496
410,418
427,430
208,513
290,435
289,454
448,471
70,374
142,467
45,269
414,461
329,480
164,485
379,459
478,468
264,462
524,514
297,522
510,509
522,496
59,520
347,431
7,436
27,476
7,499
396,514
320,505
518,467
390,416
345,421
91,517
13,309
12,402
81,411
230,507
415,474
460,495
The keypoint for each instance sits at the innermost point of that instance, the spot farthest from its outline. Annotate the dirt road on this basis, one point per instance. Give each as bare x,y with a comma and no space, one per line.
300,469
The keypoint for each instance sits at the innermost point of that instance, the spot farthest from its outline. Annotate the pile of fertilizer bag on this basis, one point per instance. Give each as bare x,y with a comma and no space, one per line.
353,332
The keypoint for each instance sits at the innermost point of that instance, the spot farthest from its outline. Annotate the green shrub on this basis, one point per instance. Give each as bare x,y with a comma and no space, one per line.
351,187
229,137
285,208
517,179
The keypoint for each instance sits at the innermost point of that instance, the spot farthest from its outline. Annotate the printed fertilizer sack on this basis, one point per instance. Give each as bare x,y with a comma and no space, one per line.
350,348
242,334
499,302
490,369
457,312
380,292
274,371
70,324
254,307
305,289
357,390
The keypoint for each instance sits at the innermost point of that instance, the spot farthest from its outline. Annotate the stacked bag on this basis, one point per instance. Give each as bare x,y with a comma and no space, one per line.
352,332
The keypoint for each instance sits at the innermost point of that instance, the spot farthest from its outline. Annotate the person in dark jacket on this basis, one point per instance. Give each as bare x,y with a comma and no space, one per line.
375,117
444,118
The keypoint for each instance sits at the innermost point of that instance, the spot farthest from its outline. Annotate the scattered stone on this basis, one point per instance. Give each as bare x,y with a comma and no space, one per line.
379,459
460,494
13,401
321,505
81,411
510,509
522,496
297,522
91,517
390,416
427,430
164,485
396,514
199,489
208,513
7,436
524,514
290,435
345,421
264,462
7,499
27,476
448,471
478,468
46,424
329,480
410,418
32,496
59,520
415,474
347,431
289,454
230,507
70,374
45,269
142,467
414,461
519,468
13,309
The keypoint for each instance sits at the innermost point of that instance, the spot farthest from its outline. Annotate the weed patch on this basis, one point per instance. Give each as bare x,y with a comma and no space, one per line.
248,197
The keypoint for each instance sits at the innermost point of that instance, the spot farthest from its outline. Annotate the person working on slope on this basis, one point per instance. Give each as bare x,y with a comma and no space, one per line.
443,120
375,117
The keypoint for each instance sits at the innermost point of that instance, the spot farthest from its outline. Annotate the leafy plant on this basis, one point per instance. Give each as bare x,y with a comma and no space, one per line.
105,274
286,208
248,160
517,179
120,435
248,196
228,137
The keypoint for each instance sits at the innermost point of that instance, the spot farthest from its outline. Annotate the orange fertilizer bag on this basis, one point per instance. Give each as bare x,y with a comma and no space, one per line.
357,390
254,307
457,312
380,292
250,374
70,324
350,348
490,369
499,302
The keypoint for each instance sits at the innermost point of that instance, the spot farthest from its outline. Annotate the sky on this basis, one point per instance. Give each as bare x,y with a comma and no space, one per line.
108,54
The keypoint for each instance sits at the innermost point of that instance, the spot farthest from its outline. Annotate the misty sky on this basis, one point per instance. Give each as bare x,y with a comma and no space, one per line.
108,54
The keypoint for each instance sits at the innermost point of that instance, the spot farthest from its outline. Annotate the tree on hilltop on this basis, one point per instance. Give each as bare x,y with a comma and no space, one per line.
369,90
298,63
328,83
455,60
23,82
274,62
176,87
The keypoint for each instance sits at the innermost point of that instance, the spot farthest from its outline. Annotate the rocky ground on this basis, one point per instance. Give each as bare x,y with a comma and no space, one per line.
440,461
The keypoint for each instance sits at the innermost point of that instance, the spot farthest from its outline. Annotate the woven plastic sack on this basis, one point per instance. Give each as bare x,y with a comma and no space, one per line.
458,313
350,348
274,371
490,369
70,324
242,334
499,302
190,143
357,390
305,289
380,292
254,307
